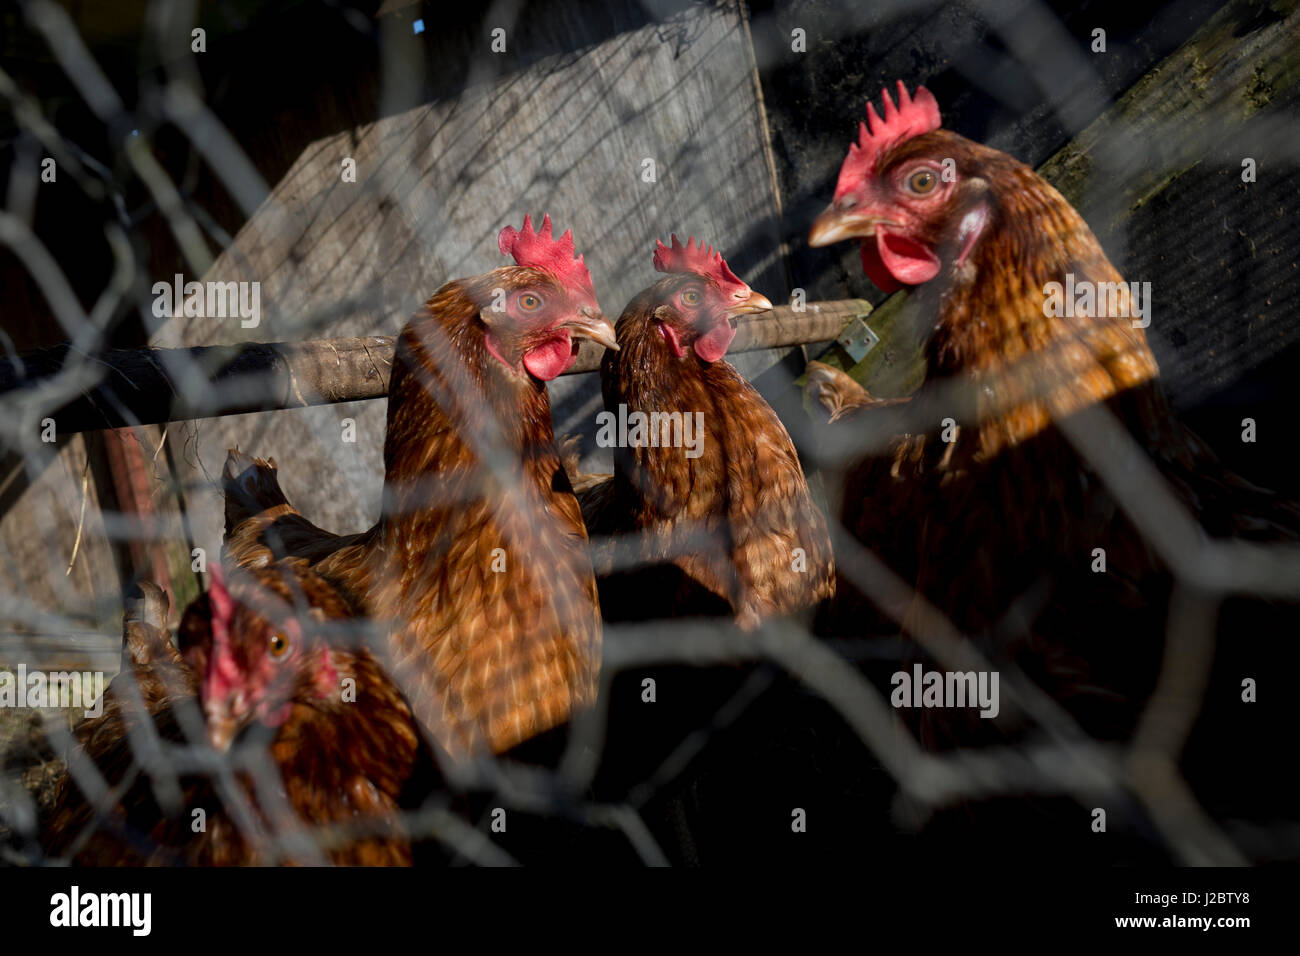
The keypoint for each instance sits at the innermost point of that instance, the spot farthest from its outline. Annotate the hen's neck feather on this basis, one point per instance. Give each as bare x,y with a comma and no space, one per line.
991,323
654,484
488,654
729,517
447,402
658,484
457,424
339,740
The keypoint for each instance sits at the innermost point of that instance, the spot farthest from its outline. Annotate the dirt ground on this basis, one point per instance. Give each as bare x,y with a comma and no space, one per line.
29,774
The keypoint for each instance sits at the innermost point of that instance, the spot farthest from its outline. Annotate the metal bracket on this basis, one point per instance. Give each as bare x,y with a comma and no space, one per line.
857,338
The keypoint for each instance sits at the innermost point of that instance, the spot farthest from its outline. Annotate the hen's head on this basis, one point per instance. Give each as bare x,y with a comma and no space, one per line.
535,312
259,646
697,305
914,194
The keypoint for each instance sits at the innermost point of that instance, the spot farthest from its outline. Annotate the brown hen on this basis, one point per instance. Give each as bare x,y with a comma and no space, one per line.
993,516
478,565
728,526
276,661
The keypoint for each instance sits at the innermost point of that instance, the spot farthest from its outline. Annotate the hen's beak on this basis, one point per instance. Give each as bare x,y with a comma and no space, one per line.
750,304
225,719
590,324
222,728
836,224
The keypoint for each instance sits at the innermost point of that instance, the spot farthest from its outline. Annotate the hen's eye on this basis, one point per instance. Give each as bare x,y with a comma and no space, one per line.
279,644
922,181
691,297
530,302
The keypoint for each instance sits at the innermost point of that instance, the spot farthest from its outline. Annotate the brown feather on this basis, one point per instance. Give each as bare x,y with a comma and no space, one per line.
977,524
482,576
337,763
728,523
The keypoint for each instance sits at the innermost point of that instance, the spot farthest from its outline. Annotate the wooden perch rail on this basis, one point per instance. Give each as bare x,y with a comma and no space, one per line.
149,386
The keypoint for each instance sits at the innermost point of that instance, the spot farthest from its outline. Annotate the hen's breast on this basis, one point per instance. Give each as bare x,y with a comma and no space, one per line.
496,618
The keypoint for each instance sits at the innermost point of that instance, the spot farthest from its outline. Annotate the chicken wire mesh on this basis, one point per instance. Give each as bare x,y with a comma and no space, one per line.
747,130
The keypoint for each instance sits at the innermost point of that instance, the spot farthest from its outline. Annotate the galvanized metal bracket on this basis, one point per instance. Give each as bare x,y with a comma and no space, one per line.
857,338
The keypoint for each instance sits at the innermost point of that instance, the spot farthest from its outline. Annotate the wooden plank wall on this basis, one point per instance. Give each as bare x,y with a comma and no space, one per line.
70,540
43,510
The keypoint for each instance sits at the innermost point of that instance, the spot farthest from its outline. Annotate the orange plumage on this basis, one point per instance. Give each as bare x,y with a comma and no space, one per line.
268,662
995,522
733,531
478,568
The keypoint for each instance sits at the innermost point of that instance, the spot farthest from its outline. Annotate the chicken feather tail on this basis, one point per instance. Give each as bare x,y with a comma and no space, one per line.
251,488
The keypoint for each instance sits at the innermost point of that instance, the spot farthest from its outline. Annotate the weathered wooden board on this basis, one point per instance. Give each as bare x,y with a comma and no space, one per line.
568,135
1159,176
152,385
72,539
44,592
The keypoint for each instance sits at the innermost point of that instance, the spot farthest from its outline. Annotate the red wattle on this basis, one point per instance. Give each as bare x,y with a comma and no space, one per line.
713,344
907,260
551,358
875,269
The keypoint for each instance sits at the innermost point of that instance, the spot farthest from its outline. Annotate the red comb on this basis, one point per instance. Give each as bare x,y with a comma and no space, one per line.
223,607
223,674
912,116
696,258
537,250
